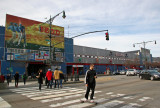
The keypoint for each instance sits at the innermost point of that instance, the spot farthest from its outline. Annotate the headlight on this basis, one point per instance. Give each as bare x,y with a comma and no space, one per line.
156,75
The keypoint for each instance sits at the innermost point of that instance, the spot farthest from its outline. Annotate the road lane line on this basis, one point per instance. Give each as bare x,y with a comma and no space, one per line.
109,104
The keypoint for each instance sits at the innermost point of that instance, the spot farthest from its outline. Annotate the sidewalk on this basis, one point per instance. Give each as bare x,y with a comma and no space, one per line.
81,80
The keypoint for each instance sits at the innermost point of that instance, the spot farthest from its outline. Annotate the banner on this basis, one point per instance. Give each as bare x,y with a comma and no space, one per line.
29,34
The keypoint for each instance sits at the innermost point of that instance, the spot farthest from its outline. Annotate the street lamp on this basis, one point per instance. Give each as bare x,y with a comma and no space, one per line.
50,23
144,45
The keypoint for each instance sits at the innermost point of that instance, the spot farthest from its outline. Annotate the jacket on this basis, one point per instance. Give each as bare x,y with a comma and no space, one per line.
49,75
90,77
56,74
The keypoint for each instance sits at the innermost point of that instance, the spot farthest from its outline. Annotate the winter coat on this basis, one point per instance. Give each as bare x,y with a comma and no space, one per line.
49,75
56,74
40,79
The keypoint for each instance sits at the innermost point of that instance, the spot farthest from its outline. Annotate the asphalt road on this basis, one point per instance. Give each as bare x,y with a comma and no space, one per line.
111,92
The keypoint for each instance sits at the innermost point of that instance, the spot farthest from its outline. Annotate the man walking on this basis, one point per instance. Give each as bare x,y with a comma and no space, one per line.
16,76
90,82
56,77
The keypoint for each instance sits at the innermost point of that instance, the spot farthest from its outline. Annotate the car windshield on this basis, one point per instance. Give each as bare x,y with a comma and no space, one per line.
153,72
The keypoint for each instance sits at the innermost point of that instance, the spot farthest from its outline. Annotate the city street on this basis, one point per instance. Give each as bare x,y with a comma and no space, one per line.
111,92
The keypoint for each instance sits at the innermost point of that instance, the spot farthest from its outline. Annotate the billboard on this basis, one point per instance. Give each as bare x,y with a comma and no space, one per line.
29,34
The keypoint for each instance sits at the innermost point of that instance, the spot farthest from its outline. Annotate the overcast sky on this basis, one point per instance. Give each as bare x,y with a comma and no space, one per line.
128,21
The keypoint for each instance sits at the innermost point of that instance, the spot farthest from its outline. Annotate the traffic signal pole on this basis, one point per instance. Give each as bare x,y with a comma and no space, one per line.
144,45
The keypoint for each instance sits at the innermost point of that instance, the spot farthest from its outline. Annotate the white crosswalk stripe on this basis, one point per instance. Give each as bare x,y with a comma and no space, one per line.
68,97
4,104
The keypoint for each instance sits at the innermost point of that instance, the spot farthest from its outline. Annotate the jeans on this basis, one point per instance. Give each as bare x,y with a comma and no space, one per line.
39,86
88,90
16,82
56,82
60,82
49,83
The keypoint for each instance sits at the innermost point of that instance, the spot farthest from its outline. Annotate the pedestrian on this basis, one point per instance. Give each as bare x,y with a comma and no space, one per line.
16,77
40,78
8,78
49,78
24,78
56,77
90,82
61,78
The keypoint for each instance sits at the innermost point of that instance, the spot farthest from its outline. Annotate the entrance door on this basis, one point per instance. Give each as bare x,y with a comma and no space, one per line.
33,69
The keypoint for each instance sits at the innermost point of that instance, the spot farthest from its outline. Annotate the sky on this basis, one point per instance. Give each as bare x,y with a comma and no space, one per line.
128,21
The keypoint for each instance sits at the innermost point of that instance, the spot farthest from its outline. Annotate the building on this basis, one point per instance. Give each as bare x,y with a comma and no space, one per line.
31,53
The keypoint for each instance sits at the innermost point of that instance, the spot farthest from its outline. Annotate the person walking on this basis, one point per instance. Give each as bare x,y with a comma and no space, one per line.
61,78
56,77
16,77
8,78
24,78
40,78
49,78
90,82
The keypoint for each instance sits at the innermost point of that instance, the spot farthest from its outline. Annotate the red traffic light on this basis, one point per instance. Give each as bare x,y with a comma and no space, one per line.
107,36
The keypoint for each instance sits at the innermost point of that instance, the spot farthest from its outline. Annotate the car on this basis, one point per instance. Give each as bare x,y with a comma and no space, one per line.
132,72
116,73
123,72
150,75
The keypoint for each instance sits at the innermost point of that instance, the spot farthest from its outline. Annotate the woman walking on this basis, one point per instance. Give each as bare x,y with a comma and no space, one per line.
40,78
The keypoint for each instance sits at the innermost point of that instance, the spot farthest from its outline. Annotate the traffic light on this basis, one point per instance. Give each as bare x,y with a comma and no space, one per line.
64,15
107,35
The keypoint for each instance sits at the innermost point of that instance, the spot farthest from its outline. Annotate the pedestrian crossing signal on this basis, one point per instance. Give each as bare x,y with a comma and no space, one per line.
107,36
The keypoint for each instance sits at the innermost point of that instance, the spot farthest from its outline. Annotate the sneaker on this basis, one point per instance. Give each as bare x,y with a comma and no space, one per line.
91,100
85,100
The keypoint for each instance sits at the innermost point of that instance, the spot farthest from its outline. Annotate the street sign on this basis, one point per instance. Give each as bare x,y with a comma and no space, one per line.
10,69
47,40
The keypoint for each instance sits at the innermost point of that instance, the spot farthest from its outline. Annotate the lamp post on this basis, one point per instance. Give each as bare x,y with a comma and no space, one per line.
50,35
144,45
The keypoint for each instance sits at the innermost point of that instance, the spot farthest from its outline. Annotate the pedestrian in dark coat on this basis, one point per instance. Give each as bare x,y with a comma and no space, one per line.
24,78
16,76
8,78
40,78
90,82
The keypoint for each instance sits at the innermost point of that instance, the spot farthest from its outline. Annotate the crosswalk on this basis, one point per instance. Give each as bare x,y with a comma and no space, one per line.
69,97
4,104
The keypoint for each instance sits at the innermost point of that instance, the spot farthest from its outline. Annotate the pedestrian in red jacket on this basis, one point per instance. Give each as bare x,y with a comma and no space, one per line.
49,78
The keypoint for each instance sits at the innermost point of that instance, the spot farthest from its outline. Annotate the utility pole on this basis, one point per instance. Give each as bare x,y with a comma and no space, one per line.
50,35
144,45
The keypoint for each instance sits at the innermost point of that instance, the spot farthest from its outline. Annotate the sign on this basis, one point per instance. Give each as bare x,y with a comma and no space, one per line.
29,34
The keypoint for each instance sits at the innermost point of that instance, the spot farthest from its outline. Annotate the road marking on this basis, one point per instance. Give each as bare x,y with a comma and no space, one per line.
64,103
60,98
129,97
109,93
109,104
4,104
144,99
131,105
58,95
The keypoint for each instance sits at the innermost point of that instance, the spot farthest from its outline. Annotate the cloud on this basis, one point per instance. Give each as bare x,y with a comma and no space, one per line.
126,20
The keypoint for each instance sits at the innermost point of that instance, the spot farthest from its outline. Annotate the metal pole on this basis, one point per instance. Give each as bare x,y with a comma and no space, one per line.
50,42
145,55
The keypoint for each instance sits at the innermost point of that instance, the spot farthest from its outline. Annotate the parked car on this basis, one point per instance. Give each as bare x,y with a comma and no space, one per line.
150,75
116,73
131,72
123,72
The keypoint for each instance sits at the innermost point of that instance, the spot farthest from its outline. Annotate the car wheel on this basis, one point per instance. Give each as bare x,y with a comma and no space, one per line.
140,77
152,78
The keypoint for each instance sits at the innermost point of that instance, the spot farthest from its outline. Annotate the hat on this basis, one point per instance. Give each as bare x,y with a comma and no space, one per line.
49,69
